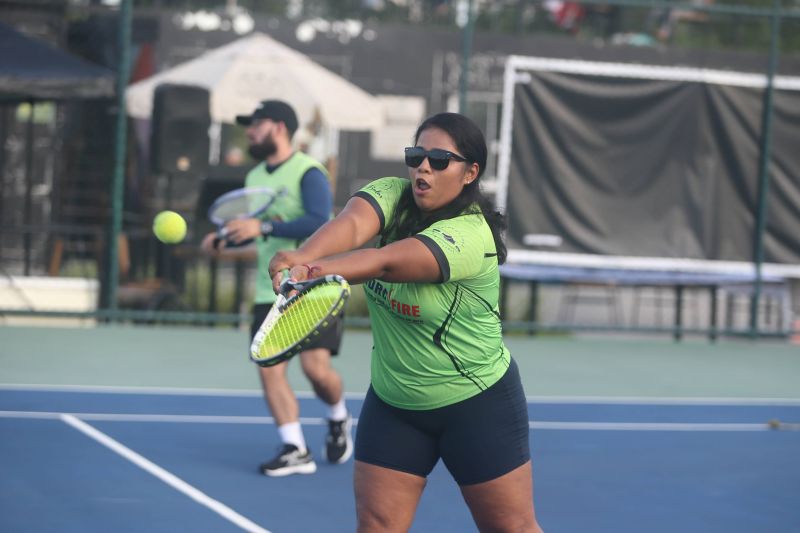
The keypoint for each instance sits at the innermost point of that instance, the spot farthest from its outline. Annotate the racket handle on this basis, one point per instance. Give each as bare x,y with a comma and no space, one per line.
222,235
231,244
287,285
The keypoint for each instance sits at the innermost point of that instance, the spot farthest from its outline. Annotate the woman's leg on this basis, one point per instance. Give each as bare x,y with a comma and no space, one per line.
386,499
486,448
504,503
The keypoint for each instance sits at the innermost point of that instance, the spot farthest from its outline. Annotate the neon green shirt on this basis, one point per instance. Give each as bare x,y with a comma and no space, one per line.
436,344
288,206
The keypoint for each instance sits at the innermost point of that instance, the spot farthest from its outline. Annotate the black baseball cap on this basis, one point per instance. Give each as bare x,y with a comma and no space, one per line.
275,110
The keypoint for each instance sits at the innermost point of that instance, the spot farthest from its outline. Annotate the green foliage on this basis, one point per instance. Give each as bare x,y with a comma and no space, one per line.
738,32
272,7
79,268
198,291
709,29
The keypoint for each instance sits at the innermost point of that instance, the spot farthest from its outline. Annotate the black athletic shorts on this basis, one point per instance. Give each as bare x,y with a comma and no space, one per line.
479,439
330,339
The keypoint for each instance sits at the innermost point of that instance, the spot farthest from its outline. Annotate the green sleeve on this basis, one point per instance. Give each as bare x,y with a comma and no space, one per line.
384,194
458,244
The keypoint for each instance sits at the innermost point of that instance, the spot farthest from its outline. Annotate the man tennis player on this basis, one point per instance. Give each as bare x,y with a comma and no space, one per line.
306,205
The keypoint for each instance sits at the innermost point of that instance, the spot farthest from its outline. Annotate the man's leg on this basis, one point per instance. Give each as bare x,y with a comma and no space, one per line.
293,457
324,378
327,384
279,394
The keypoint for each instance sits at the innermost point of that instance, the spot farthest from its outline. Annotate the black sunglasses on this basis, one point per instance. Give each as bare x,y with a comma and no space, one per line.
437,158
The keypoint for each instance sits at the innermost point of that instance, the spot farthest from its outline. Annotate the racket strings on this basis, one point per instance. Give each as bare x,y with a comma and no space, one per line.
300,318
236,207
242,203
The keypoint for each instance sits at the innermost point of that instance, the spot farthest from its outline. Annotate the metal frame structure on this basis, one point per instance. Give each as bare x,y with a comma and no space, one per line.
517,71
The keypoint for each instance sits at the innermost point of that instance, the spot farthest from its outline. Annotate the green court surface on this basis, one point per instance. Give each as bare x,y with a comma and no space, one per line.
587,366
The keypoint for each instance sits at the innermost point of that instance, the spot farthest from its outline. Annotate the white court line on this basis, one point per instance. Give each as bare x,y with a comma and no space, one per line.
589,400
168,478
146,417
571,426
176,391
647,426
113,389
656,400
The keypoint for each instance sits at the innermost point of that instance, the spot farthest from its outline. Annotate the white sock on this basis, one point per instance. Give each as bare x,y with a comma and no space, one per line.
337,411
292,433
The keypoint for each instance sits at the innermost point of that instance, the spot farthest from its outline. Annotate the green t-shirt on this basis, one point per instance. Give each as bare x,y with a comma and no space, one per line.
436,344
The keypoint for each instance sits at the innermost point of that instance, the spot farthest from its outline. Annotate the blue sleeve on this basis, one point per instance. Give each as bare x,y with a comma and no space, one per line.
317,204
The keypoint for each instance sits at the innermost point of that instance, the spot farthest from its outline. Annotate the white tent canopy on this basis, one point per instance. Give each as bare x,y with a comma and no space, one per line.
241,74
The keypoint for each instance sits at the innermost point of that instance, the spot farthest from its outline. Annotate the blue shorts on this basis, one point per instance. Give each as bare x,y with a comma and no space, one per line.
479,439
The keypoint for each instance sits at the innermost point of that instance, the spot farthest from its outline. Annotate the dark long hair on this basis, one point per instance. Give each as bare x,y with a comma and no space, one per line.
470,142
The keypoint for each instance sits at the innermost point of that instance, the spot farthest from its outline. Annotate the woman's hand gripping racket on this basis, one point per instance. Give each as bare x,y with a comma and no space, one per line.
248,202
293,323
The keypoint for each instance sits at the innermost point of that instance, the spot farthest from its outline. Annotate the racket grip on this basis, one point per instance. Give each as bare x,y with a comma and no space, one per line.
286,282
221,233
231,244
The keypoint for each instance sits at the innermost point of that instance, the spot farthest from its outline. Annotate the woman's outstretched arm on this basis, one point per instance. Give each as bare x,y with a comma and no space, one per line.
354,226
407,260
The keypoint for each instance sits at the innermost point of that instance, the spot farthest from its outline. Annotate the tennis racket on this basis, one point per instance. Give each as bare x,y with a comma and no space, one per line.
293,323
248,202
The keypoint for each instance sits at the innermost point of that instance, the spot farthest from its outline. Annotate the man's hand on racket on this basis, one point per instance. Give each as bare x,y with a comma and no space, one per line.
240,231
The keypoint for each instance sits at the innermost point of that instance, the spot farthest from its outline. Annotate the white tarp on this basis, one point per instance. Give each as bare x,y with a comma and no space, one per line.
241,74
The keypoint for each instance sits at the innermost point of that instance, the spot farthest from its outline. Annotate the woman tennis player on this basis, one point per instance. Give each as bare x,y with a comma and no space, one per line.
443,384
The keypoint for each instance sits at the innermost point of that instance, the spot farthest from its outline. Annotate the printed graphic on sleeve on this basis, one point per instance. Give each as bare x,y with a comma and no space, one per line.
386,192
462,241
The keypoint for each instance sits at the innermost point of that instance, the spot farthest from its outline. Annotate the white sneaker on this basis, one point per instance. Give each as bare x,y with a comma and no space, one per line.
289,461
339,442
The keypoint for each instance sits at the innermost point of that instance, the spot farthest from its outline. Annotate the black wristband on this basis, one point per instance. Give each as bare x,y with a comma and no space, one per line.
266,228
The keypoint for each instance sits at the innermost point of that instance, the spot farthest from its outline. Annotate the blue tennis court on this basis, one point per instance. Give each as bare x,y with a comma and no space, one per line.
101,459
121,428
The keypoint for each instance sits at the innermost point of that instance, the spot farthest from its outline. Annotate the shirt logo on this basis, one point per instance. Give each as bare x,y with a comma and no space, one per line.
383,296
449,238
377,189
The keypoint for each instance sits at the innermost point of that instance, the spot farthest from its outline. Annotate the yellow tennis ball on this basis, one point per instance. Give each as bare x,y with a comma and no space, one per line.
169,227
